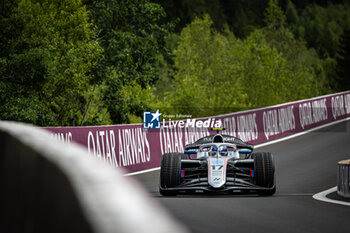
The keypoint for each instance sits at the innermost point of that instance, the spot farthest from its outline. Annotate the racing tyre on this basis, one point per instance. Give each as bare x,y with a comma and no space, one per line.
170,172
264,168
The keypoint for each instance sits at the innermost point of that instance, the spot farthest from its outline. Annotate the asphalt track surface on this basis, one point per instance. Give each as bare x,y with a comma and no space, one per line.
305,165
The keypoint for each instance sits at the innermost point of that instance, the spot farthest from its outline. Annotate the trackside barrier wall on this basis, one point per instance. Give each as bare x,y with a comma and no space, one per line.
48,186
134,149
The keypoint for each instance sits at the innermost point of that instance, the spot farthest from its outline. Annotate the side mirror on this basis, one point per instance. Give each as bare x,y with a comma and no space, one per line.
246,152
190,152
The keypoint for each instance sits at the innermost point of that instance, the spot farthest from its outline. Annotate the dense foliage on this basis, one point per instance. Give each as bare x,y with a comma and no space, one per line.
132,39
48,49
83,62
219,73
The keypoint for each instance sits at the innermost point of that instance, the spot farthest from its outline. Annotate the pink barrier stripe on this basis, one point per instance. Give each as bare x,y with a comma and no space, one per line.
134,149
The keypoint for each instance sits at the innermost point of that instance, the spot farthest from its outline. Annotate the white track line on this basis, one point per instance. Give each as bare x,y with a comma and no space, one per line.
300,133
322,197
260,145
143,171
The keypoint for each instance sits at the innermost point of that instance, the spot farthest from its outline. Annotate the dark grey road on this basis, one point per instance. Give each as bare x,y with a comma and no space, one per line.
304,166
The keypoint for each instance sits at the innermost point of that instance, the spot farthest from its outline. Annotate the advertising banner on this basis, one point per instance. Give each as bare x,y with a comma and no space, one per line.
136,147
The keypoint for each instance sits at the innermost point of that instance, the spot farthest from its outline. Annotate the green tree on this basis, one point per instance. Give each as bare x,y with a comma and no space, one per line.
204,78
291,13
217,73
343,61
274,16
263,71
132,38
304,65
45,70
185,11
322,27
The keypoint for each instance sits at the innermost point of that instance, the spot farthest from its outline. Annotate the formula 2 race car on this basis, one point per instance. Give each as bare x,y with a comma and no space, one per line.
217,163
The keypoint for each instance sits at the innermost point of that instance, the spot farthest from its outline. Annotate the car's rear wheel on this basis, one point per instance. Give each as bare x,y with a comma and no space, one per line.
264,169
170,172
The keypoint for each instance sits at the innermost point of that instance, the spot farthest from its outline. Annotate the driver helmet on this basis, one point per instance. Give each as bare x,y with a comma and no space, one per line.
223,150
213,150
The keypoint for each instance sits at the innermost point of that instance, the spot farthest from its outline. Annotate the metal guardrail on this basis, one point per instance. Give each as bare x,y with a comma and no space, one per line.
343,178
48,186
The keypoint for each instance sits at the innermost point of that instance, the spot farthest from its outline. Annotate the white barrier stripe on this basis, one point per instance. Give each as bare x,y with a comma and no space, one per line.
262,144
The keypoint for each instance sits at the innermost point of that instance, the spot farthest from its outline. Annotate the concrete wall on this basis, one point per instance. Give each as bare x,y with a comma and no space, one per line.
48,186
35,196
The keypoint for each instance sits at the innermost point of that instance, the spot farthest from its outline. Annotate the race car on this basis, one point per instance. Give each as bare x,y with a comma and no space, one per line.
217,163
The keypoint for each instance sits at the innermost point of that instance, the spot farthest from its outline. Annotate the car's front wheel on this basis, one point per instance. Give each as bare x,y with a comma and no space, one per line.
264,169
170,172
